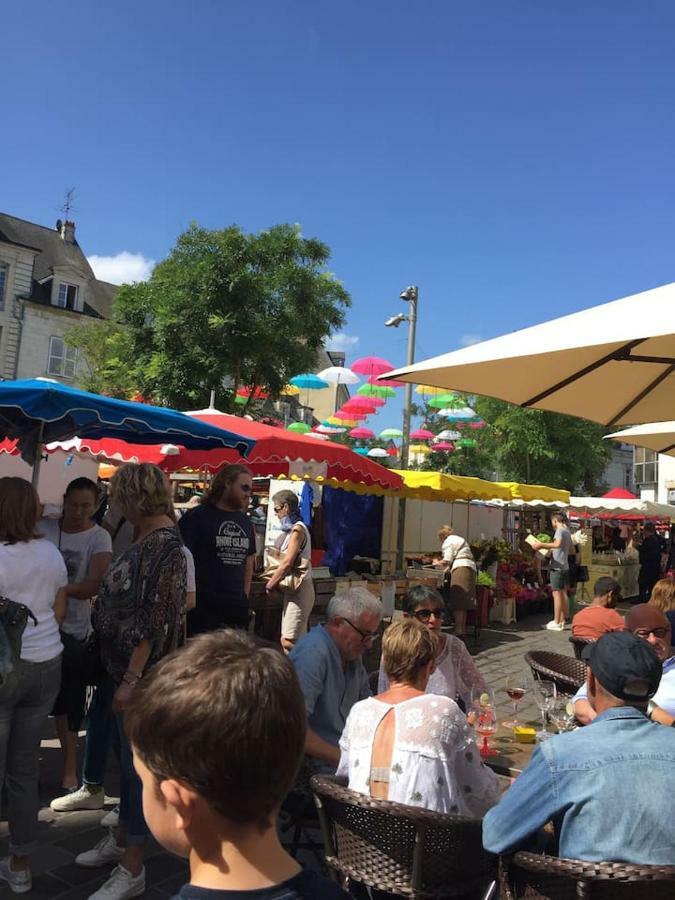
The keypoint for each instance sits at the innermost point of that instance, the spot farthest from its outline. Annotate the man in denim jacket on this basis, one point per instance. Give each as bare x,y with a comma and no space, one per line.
606,788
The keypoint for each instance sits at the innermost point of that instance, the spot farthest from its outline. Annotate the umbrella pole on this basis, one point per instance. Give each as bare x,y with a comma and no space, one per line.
39,447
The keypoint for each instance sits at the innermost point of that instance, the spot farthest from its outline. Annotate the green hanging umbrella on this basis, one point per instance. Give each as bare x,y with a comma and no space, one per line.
391,433
376,390
299,427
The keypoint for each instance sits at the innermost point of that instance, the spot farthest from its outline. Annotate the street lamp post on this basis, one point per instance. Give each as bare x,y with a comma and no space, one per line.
411,296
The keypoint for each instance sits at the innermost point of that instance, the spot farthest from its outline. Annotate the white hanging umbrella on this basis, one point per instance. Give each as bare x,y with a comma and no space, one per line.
378,452
448,435
339,375
613,364
657,436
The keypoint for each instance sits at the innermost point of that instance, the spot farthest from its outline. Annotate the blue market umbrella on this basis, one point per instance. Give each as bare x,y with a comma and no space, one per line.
39,411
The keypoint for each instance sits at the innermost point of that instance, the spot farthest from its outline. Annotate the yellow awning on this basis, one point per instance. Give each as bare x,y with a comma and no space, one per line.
533,492
439,486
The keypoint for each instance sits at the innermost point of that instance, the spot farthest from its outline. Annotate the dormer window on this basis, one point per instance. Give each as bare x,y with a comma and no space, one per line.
67,296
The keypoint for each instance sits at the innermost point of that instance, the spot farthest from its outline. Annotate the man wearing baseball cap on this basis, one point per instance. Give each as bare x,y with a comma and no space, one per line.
649,623
607,788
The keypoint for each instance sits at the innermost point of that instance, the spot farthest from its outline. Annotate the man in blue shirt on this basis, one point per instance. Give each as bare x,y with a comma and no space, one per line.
606,788
332,677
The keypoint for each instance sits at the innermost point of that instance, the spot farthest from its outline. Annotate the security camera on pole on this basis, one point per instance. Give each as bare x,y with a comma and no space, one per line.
410,295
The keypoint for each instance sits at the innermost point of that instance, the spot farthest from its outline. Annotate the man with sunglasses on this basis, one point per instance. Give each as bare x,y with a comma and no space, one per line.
647,622
222,540
331,673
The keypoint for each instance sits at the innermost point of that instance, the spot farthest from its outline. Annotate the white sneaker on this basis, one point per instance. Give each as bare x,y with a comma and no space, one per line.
19,882
555,626
111,819
120,886
85,797
105,852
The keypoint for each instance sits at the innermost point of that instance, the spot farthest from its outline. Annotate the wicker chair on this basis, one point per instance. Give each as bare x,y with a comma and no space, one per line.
298,821
549,878
578,643
567,672
403,850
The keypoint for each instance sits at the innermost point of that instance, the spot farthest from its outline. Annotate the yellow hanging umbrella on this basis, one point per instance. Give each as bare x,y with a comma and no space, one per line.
346,423
428,390
290,391
419,448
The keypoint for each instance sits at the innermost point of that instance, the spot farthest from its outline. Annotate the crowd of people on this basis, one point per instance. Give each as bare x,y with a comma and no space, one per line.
209,733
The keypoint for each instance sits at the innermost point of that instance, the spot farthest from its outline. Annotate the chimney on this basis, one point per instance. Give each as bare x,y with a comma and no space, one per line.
67,232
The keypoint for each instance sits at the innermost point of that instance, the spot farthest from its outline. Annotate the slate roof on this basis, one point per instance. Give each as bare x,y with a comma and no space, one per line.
54,252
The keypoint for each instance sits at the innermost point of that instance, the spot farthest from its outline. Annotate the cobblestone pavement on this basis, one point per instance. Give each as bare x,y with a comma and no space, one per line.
61,836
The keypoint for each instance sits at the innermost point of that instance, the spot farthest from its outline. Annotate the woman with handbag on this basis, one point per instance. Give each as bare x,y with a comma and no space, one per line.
33,573
87,552
293,569
138,619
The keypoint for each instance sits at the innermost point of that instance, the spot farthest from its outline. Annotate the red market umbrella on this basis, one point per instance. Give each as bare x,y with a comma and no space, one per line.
276,451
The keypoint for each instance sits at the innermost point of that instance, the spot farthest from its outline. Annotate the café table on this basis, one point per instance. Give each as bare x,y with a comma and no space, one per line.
512,756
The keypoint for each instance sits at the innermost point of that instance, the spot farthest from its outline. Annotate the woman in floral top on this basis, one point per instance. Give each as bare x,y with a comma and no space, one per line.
455,673
138,617
412,747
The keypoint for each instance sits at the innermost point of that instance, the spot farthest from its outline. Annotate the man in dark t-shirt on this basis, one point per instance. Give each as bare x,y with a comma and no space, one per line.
650,562
222,540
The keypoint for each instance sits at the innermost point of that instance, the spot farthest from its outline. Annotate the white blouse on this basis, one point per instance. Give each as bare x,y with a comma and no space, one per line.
435,762
454,676
457,552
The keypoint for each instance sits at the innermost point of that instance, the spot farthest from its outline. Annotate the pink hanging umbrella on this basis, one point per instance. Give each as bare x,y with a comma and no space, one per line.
479,424
372,366
422,434
363,434
443,446
386,382
350,416
359,404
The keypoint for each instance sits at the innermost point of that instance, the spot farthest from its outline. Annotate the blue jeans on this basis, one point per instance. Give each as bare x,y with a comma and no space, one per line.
101,731
22,719
131,791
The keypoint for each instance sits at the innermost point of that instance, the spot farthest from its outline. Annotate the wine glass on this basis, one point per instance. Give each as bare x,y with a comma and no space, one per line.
562,713
544,694
486,725
516,688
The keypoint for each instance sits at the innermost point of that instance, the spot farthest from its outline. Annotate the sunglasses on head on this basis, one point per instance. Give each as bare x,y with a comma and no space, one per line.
424,615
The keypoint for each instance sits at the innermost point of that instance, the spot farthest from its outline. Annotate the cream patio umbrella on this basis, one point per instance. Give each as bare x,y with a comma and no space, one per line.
657,436
613,364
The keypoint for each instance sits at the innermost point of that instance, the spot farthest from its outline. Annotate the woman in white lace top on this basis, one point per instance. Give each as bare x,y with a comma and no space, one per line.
412,747
455,673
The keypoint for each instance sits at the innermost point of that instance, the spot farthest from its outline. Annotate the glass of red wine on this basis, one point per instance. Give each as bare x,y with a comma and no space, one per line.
486,725
516,688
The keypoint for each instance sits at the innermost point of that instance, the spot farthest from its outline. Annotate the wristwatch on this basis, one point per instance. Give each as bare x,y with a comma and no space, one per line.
651,706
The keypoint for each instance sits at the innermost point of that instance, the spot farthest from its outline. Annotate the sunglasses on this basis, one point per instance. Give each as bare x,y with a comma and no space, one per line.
246,488
657,632
366,636
424,615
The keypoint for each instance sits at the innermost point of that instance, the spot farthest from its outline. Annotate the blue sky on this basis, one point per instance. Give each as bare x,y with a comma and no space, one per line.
514,159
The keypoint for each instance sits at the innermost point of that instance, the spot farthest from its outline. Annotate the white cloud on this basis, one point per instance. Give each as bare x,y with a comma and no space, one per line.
467,340
342,341
122,268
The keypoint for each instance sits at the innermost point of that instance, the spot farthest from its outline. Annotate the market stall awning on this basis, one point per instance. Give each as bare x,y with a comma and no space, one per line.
621,509
613,363
536,493
275,452
439,486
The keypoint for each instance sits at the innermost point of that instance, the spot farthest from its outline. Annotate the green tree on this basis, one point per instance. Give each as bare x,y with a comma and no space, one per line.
224,308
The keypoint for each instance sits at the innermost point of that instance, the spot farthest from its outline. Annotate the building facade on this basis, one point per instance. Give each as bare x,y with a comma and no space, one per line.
46,287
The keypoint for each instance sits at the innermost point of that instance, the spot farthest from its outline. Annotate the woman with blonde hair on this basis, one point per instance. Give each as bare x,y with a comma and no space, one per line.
663,598
32,572
460,576
138,618
293,544
412,747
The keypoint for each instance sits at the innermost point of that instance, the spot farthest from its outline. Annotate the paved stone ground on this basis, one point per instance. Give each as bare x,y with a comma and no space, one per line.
61,836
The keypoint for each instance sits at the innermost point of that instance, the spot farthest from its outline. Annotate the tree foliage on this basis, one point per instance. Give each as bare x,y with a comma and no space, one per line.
224,308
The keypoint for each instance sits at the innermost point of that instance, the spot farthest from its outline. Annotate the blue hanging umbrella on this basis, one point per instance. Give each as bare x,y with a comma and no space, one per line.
39,411
309,382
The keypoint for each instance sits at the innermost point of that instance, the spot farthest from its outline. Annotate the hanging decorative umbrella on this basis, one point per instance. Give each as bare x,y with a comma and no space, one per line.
377,453
372,366
349,419
479,424
393,450
361,434
359,405
362,451
339,375
327,429
290,390
344,423
447,435
318,435
427,390
422,434
443,447
458,414
299,427
466,443
258,393
376,391
386,382
309,382
391,433
422,449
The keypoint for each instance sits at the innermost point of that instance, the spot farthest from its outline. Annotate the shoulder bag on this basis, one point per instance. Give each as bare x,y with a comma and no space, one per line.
13,620
293,580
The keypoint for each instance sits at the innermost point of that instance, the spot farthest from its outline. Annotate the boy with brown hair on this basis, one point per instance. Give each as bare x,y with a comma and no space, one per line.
218,731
